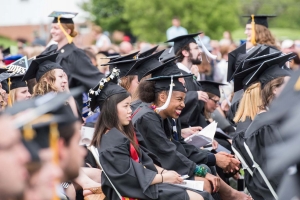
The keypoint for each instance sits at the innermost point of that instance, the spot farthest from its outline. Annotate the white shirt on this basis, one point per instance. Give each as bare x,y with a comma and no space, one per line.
187,70
100,41
174,31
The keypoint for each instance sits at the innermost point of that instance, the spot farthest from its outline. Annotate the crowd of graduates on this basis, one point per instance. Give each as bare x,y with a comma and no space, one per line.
143,110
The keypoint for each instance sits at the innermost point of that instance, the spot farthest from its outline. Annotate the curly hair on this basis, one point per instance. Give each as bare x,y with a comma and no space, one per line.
267,94
264,36
249,104
45,84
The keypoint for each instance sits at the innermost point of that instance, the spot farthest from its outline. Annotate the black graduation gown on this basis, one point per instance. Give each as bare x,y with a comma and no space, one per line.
231,112
78,67
135,104
150,133
132,179
258,137
242,126
190,114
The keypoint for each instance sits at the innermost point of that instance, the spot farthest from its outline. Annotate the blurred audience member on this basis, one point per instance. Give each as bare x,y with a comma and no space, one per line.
102,41
287,46
295,62
125,47
175,30
38,41
89,52
227,36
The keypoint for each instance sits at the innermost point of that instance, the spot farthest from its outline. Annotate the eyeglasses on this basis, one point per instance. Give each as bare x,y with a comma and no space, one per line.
215,101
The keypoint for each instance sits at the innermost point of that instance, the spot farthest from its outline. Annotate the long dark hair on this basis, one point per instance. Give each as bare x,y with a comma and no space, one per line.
108,119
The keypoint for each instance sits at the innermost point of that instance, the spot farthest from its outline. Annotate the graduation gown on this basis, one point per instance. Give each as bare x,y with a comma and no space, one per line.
135,104
151,134
132,179
258,137
78,67
242,126
190,114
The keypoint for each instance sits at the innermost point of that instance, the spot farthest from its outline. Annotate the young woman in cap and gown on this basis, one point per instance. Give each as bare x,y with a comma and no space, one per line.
271,77
129,171
155,132
74,61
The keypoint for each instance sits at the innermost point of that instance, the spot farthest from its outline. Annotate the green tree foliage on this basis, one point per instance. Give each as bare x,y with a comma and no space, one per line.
149,20
107,13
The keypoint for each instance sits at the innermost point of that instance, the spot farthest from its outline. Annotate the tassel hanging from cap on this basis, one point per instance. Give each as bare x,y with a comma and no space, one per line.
163,107
69,38
297,85
28,132
9,99
253,41
54,136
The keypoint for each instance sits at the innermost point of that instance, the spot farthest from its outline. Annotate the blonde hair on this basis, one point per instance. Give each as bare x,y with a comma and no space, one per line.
12,95
71,27
264,36
45,84
249,104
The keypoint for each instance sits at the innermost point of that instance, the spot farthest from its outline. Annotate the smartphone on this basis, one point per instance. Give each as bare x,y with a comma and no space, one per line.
185,176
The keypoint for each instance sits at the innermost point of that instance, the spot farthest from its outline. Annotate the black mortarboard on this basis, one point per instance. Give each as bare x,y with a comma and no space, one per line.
6,51
270,70
16,82
211,87
33,150
125,57
18,67
167,55
39,106
232,57
147,52
3,70
258,59
242,57
240,78
260,19
40,66
168,68
182,41
65,17
125,67
144,65
163,83
104,89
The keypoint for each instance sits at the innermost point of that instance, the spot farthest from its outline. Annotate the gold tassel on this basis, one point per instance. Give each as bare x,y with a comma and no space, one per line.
9,99
54,136
69,38
253,31
297,85
28,132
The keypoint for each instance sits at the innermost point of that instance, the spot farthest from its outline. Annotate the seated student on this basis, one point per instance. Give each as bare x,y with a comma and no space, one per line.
260,135
129,169
150,122
50,77
18,90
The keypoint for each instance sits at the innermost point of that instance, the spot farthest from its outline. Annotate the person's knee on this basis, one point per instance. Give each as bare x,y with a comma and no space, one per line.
206,186
194,195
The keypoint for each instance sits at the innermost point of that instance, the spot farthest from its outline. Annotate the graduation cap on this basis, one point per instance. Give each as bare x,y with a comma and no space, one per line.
6,51
211,87
16,82
18,67
168,68
144,65
241,78
38,106
104,89
182,41
232,57
258,59
125,67
270,70
125,57
167,83
259,19
147,52
167,55
41,66
3,70
65,18
240,60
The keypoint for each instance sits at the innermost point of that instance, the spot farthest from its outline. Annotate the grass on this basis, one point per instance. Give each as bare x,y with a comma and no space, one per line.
279,34
6,42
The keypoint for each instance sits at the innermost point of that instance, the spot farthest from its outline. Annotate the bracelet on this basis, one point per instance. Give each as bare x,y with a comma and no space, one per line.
200,171
162,178
162,171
